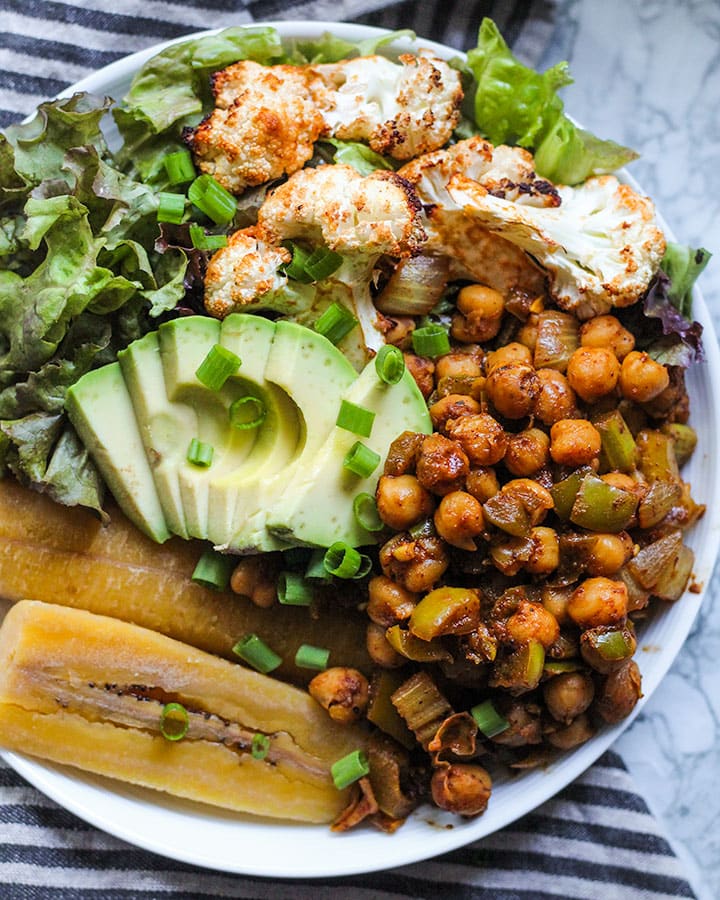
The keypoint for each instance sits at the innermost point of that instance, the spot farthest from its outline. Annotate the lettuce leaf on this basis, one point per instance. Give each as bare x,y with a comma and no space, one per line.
357,155
682,265
513,104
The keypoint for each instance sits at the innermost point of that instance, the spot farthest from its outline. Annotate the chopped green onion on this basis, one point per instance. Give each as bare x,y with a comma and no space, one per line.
423,528
361,460
335,323
214,570
295,269
432,340
488,719
355,418
293,590
200,454
247,412
212,199
174,722
365,566
390,364
201,240
257,654
366,512
309,657
171,207
219,364
322,263
349,769
316,567
259,746
342,560
179,167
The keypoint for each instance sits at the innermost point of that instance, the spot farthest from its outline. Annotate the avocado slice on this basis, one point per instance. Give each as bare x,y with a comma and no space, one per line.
318,508
100,408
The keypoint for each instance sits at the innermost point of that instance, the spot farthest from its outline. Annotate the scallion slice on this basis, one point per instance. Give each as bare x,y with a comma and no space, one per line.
309,657
390,364
432,340
201,240
179,167
322,263
174,722
295,269
219,364
335,323
259,746
212,199
213,570
361,460
316,570
342,560
247,412
355,418
200,454
488,719
366,512
257,654
293,590
171,207
349,769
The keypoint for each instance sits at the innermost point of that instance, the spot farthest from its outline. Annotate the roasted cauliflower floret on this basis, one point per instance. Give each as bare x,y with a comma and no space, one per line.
264,125
600,247
401,109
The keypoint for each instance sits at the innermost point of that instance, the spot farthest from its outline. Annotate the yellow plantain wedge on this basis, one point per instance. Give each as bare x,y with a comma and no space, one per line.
90,691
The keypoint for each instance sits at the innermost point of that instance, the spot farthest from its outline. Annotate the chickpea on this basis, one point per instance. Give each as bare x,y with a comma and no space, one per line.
527,335
620,693
480,300
400,332
343,692
256,577
568,695
620,480
454,406
513,390
482,438
555,600
593,372
389,603
606,331
532,622
574,734
457,365
574,442
527,452
379,649
442,464
641,378
402,501
609,553
536,499
598,601
422,370
459,519
513,352
556,399
461,788
524,726
545,553
482,483
414,564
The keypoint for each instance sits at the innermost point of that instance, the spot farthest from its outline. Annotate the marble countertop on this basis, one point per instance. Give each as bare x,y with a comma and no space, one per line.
647,74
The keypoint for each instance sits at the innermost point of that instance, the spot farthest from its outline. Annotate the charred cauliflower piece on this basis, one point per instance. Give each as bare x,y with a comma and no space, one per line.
264,125
600,247
401,109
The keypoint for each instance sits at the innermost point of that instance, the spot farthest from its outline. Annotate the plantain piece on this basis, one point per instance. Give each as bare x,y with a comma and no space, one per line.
89,691
59,555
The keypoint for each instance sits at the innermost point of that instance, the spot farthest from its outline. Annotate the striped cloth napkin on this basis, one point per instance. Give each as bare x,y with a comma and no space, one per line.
597,839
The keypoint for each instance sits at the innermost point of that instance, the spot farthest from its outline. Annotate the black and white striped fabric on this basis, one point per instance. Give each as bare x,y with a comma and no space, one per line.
596,840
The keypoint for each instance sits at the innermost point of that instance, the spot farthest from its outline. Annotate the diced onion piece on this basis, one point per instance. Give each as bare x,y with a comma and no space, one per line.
415,286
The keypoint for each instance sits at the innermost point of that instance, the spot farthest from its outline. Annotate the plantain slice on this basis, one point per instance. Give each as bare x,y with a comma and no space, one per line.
89,691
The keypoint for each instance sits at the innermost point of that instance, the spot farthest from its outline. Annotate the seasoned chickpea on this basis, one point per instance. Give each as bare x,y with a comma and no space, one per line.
379,649
415,564
461,788
609,553
568,695
527,452
524,726
400,333
620,692
422,370
574,734
555,599
442,464
473,328
459,519
536,499
480,300
620,480
606,331
528,333
453,406
593,372
513,352
641,378
513,390
402,501
457,365
556,399
598,601
532,622
545,552
388,602
482,483
256,577
342,691
482,438
574,442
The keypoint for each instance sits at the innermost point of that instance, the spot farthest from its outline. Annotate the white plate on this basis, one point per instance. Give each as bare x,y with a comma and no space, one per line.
233,843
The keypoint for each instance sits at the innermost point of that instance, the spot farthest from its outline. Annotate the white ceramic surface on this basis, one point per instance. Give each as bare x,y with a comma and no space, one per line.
233,843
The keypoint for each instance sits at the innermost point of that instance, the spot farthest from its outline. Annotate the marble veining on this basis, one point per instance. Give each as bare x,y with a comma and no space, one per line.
647,73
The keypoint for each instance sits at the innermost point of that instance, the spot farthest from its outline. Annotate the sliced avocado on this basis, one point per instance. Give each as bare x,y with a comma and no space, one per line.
318,507
100,408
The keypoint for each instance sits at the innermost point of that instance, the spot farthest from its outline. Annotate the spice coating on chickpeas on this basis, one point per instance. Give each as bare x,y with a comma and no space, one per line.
598,601
402,501
513,389
574,442
593,372
641,378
